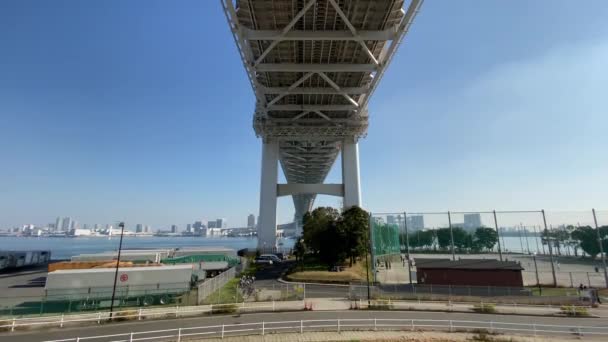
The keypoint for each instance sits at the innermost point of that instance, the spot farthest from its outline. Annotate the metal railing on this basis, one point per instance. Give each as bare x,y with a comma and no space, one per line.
139,314
338,325
183,311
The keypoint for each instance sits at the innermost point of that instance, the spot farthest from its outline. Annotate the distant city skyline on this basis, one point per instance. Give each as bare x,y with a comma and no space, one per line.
121,112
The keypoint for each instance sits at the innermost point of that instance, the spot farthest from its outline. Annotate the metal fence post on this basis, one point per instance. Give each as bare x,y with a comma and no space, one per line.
412,323
131,338
263,327
61,323
301,326
139,315
338,325
375,325
497,234
451,326
13,326
599,241
550,249
99,318
222,331
179,334
451,235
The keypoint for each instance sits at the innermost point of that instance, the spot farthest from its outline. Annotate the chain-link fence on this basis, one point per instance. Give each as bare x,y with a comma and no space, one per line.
96,299
554,248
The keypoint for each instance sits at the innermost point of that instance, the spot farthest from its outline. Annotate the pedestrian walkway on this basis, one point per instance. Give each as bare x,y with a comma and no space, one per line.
417,336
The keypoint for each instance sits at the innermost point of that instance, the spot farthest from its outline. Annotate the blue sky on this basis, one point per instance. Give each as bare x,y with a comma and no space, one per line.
141,111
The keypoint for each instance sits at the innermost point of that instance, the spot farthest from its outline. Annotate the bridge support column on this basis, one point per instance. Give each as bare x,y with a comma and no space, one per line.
350,174
267,224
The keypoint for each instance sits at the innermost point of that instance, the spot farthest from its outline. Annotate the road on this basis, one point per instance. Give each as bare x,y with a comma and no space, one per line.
139,326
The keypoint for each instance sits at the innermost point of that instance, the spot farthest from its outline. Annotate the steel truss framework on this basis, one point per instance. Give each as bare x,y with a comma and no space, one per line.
313,66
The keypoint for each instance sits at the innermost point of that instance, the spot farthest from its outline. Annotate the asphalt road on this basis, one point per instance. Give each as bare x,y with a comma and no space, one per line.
140,326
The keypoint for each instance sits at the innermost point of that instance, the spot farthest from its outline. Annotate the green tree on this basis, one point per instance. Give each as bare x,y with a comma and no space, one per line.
316,225
485,238
354,225
461,238
587,239
444,238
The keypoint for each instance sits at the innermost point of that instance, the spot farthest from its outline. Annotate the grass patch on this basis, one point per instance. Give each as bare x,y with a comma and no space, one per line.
574,311
227,294
484,308
313,270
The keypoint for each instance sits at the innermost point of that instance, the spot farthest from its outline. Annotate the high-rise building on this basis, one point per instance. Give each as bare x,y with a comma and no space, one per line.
139,228
189,228
472,221
198,228
74,225
221,223
212,224
58,224
415,222
173,229
147,229
66,224
250,221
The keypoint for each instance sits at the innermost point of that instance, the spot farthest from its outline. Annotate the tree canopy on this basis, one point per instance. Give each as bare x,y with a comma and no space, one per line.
334,236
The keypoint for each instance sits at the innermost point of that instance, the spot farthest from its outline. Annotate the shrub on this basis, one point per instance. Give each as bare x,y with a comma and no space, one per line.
380,305
484,308
574,311
225,309
124,315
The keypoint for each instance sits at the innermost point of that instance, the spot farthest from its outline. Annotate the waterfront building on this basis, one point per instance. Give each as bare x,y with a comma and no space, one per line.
415,222
58,224
66,224
472,221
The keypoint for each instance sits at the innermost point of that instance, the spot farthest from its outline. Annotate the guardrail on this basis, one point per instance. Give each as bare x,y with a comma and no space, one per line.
338,325
139,314
181,311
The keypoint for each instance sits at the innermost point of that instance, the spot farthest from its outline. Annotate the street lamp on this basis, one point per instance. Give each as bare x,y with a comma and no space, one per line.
540,289
122,230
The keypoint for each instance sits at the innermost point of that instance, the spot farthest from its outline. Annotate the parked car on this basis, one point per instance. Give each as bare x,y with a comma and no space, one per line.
267,259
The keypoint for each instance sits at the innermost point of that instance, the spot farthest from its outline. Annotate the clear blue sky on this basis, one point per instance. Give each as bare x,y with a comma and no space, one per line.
141,111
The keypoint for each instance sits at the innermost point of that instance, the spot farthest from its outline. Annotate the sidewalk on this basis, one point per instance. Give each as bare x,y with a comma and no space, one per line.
312,304
418,336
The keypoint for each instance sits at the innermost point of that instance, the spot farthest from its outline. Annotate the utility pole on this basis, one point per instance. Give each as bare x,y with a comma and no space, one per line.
550,249
122,230
407,244
497,233
451,236
599,241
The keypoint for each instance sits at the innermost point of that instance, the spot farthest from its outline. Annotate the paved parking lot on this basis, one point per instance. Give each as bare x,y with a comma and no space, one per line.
18,286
